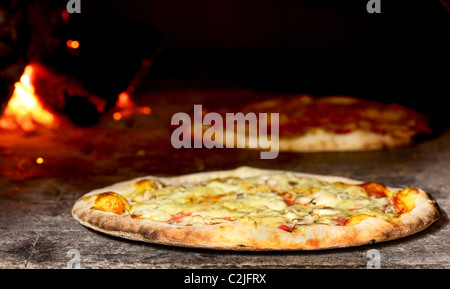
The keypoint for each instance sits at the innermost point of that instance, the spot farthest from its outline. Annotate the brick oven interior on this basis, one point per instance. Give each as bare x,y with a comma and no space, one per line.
174,54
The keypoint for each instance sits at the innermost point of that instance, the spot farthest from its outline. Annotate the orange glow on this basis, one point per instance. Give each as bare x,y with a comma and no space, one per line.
124,101
39,161
24,110
126,107
65,16
73,44
117,116
144,110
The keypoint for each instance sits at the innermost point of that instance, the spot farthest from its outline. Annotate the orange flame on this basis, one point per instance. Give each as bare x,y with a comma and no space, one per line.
24,110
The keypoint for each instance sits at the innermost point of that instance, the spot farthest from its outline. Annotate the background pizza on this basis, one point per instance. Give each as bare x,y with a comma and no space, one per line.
336,123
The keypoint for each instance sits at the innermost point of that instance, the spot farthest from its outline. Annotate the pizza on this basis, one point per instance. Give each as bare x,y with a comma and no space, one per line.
332,123
256,210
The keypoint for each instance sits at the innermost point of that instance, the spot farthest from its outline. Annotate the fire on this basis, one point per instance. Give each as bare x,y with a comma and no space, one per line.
24,110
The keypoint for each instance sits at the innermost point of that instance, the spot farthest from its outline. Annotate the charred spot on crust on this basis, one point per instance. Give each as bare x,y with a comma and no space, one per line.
153,235
435,204
148,234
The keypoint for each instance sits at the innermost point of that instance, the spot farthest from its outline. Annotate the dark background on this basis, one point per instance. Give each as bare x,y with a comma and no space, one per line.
318,47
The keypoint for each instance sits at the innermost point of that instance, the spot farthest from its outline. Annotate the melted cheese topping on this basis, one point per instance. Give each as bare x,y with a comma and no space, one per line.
282,200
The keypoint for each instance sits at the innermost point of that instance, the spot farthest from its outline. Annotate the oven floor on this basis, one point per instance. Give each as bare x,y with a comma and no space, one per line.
38,231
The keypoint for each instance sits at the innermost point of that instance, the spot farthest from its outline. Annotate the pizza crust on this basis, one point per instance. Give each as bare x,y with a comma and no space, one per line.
246,235
320,140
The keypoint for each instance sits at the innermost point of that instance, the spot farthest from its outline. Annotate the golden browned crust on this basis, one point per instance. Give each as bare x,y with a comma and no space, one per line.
319,140
244,233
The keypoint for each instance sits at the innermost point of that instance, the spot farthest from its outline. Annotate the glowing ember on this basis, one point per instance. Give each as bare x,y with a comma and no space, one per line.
24,109
65,16
144,110
39,161
117,116
73,44
125,107
124,101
